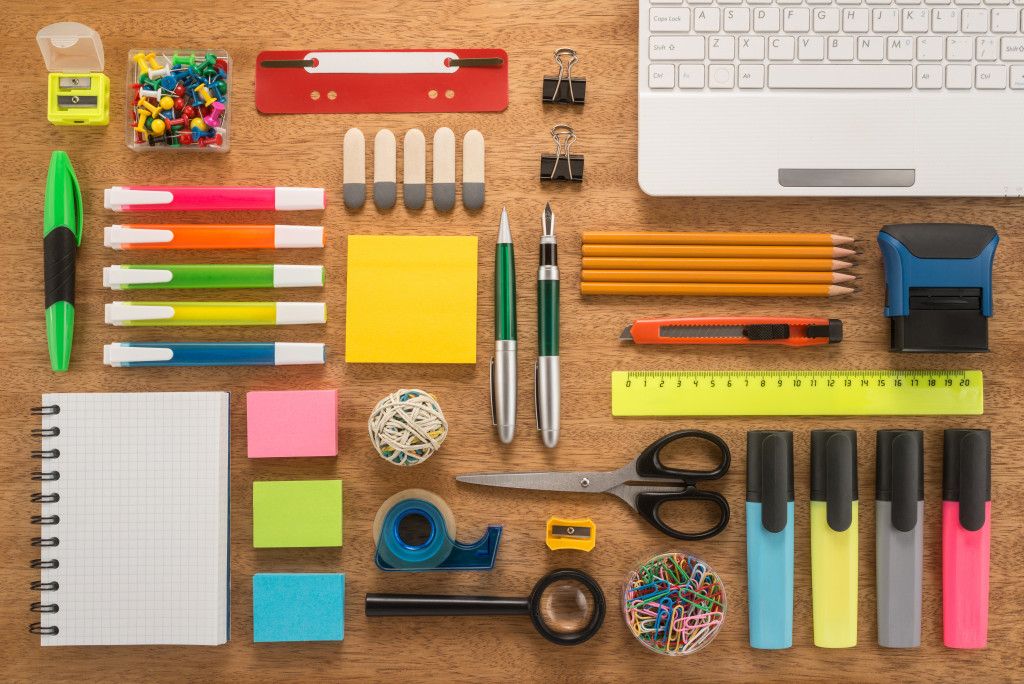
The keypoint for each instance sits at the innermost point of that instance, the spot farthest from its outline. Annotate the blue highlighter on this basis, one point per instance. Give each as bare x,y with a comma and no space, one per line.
770,537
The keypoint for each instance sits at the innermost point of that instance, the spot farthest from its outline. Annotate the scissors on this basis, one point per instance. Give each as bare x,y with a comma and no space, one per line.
661,484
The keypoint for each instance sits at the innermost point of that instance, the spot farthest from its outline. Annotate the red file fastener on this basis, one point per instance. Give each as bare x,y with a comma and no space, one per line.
385,81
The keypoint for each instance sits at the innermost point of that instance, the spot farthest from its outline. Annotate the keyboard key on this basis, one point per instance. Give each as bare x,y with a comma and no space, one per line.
908,2
721,48
661,76
997,2
819,2
885,20
1017,77
847,2
781,48
752,48
810,48
721,75
915,20
960,49
1005,20
840,48
986,49
856,20
967,2
929,76
975,20
899,49
734,2
958,76
936,2
847,76
945,20
736,20
826,20
665,2
1012,49
670,19
796,20
870,48
691,76
677,47
766,20
699,2
878,2
768,2
990,77
751,76
707,19
930,49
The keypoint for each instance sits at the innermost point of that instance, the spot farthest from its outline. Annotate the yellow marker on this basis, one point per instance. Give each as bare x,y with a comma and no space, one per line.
214,313
834,537
571,534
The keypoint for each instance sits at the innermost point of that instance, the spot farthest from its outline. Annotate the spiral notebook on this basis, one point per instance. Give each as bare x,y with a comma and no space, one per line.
133,534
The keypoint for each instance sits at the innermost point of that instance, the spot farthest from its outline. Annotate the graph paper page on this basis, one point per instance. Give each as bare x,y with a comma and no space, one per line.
143,512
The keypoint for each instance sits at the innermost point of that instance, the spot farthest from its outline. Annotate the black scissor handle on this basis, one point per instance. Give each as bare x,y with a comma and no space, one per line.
647,505
648,463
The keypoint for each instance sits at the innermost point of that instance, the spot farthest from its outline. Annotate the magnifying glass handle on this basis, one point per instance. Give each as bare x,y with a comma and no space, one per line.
404,605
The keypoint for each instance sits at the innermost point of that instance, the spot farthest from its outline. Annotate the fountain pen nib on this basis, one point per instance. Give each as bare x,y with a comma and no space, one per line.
549,220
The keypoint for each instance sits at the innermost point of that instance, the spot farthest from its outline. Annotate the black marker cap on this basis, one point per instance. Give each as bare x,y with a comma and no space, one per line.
834,474
899,474
770,475
967,474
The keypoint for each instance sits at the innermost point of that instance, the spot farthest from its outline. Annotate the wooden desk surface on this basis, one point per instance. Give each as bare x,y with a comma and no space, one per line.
306,150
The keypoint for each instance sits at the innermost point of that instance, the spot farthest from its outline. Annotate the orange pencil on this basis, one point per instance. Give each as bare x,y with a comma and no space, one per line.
719,251
704,238
691,264
715,289
633,276
211,236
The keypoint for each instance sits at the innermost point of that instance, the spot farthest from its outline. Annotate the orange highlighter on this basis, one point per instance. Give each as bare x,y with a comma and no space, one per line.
212,236
793,332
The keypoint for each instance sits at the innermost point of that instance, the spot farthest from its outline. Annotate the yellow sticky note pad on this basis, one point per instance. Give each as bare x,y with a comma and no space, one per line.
411,299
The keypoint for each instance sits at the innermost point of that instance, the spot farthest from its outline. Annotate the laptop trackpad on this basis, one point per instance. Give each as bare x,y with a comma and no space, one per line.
866,143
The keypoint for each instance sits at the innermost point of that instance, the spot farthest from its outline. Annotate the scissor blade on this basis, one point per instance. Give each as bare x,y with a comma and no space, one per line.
550,482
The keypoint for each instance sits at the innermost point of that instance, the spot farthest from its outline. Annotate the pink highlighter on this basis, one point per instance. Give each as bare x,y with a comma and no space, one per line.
966,516
145,198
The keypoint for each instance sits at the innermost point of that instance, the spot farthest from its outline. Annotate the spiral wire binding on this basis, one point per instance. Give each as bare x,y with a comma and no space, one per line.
45,542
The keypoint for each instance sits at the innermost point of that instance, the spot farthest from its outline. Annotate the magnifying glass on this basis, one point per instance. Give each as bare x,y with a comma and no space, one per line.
567,606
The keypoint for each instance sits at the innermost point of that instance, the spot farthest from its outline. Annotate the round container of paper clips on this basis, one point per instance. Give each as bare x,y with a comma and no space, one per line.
673,602
407,427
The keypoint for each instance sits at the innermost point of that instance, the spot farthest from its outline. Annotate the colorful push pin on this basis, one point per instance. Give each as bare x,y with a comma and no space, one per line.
189,112
145,92
189,60
167,103
148,82
140,59
197,123
210,62
204,93
157,126
216,111
179,89
181,121
179,104
185,138
222,66
150,60
137,87
150,107
141,127
214,140
155,139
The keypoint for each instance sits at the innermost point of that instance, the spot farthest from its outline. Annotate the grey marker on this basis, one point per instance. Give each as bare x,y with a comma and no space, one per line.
899,536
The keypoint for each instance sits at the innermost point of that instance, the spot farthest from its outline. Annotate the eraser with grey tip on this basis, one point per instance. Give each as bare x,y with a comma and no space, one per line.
384,182
444,169
414,176
354,169
473,170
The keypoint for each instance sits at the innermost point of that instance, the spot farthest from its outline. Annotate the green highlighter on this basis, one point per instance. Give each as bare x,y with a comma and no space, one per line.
62,234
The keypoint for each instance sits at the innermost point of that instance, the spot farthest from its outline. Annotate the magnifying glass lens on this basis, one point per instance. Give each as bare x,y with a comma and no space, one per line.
566,606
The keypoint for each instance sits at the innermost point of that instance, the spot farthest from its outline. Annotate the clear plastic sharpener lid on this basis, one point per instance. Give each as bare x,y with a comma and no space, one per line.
70,46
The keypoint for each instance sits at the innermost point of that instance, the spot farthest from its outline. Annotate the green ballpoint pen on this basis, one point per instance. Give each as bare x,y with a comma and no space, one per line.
503,365
62,234
546,381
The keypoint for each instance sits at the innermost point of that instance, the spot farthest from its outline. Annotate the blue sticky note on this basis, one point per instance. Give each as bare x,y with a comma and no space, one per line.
298,606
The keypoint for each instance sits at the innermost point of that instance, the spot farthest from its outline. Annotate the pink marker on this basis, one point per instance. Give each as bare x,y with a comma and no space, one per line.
966,516
145,198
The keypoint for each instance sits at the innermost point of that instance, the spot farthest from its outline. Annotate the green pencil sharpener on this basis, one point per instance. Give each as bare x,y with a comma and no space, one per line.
77,93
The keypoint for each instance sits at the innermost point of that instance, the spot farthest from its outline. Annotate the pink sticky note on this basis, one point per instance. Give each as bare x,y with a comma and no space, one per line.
300,423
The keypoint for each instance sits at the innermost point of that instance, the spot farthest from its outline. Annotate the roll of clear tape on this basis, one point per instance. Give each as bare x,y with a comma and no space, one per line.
398,553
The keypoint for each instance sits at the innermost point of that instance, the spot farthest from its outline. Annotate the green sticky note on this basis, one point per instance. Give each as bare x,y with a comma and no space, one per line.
296,513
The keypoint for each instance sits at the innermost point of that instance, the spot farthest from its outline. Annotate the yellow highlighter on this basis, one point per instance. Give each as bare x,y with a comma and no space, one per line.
834,537
215,313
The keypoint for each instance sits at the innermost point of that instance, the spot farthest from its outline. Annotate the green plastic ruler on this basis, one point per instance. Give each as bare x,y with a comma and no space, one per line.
796,393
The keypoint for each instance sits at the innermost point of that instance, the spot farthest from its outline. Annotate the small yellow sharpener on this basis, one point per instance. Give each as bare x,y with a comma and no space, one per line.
571,534
77,94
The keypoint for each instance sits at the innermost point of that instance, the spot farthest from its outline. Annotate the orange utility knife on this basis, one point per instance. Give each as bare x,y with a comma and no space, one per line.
795,332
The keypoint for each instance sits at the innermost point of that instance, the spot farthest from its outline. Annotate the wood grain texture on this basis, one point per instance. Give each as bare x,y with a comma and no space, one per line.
306,150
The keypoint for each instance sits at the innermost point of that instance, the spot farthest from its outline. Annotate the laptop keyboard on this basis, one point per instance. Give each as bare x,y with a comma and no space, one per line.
757,45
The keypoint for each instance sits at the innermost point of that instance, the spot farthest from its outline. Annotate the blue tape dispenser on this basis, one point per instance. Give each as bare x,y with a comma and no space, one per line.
938,285
415,530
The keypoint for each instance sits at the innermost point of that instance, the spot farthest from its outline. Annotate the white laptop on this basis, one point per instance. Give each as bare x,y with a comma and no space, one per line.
831,97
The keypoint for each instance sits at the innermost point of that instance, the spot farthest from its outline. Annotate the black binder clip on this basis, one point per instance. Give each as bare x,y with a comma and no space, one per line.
562,166
563,89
